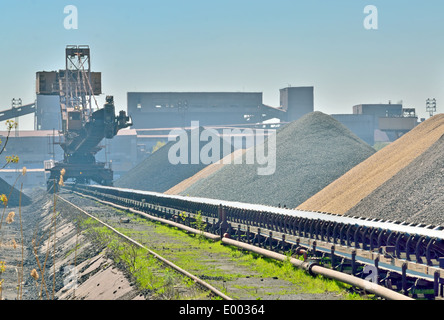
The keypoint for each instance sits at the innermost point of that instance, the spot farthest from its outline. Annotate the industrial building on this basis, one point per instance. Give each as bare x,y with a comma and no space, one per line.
32,148
362,125
392,119
296,102
47,112
177,109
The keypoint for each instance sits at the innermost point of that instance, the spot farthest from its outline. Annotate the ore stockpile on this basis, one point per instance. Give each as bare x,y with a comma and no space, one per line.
310,153
205,172
415,194
156,173
403,165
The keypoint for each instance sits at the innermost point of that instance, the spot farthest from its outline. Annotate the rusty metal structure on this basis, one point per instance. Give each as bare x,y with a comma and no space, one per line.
84,125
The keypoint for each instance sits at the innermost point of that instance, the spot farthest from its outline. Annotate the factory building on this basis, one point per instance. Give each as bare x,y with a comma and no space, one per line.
379,110
47,112
177,109
296,102
367,120
33,148
362,125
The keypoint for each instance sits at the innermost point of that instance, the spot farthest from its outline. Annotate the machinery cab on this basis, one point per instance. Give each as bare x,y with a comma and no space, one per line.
74,119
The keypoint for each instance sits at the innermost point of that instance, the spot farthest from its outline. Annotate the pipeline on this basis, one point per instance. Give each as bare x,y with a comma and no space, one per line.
316,269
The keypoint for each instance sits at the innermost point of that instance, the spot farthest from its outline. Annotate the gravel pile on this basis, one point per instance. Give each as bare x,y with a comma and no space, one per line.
157,174
414,194
13,194
205,172
346,192
310,153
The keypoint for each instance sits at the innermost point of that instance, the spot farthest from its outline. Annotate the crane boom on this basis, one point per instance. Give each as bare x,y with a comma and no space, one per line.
17,112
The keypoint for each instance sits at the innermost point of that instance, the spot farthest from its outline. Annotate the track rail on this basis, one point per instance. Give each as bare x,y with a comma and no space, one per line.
154,254
407,258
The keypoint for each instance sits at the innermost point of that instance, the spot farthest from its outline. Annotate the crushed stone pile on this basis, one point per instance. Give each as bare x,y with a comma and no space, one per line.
157,173
205,172
346,192
310,153
415,194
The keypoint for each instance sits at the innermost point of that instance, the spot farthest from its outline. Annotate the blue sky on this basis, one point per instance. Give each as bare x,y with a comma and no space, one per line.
243,45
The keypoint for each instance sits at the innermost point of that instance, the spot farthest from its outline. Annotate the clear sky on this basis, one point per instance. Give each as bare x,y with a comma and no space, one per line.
233,45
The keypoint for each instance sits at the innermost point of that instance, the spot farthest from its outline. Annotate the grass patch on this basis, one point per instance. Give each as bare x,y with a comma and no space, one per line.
151,276
202,257
285,270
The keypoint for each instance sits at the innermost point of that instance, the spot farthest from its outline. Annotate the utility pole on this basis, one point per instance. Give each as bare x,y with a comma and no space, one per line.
431,106
16,103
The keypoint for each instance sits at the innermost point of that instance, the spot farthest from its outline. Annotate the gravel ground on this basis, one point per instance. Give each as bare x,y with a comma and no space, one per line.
414,194
310,153
37,223
12,254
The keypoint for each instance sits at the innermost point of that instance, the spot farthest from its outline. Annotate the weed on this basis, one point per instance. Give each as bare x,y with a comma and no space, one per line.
200,225
148,273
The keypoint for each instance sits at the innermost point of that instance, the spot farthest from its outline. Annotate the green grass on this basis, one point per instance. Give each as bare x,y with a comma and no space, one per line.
149,274
147,271
285,270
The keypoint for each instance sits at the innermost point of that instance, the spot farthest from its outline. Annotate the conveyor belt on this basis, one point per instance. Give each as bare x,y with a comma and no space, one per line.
422,230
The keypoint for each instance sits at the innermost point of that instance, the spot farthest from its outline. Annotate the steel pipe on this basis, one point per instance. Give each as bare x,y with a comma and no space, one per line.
316,269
